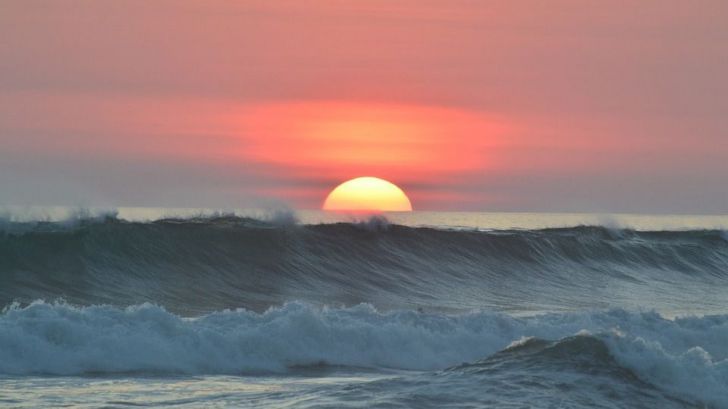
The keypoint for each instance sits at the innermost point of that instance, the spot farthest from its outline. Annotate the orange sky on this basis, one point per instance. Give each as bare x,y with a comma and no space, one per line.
535,105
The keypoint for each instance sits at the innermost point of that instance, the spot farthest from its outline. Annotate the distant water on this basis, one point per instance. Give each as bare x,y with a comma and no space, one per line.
254,308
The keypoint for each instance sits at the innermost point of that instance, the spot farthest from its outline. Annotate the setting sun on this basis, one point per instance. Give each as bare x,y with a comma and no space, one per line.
368,194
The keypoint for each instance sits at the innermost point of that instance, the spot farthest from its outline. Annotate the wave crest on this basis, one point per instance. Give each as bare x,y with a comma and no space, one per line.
198,265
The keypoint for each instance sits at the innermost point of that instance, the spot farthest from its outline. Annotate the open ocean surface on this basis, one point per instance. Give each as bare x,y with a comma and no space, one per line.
193,308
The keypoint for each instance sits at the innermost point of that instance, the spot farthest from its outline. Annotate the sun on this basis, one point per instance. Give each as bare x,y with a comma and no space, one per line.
368,194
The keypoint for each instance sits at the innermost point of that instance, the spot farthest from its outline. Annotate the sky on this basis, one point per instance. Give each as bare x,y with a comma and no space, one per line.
553,106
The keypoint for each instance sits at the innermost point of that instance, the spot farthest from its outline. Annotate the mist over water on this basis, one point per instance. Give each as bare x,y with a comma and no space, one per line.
553,311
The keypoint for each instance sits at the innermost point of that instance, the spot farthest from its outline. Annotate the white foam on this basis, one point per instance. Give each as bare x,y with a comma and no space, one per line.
694,373
686,355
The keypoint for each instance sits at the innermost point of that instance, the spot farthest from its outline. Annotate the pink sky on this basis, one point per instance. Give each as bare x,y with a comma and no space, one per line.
468,105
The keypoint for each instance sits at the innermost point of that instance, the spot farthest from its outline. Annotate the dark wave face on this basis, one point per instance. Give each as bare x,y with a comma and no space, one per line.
194,266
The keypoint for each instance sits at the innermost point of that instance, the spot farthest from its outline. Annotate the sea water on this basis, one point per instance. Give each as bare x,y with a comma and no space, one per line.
259,308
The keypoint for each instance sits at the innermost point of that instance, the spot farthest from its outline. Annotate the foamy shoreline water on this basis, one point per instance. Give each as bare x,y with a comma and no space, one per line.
683,357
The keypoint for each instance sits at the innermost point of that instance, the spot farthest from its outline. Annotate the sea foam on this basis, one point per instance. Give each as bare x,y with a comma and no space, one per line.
684,355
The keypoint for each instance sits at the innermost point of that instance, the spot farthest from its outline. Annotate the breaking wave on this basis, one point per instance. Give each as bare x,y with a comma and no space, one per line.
686,356
198,265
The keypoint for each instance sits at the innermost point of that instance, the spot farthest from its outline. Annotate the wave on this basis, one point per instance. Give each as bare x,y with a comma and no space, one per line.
593,369
198,265
686,356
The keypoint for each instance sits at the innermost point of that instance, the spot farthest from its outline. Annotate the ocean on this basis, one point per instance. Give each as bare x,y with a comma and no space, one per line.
191,308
